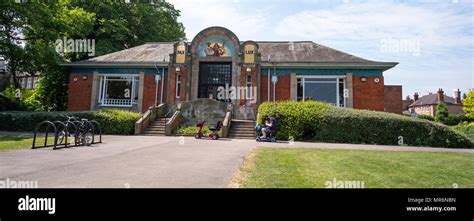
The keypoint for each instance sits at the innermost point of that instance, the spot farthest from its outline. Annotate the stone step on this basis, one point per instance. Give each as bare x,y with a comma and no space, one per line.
157,126
241,133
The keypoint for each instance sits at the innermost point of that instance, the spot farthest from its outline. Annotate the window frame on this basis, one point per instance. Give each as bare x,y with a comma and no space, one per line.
102,101
335,80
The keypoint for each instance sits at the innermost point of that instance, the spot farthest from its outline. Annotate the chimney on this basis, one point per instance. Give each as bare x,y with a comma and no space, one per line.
415,96
440,95
457,96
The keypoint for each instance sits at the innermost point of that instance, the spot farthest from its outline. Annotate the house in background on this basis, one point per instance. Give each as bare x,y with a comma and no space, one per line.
427,104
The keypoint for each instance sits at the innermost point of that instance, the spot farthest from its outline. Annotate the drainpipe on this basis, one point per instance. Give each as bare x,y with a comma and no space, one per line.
156,86
268,83
274,83
162,83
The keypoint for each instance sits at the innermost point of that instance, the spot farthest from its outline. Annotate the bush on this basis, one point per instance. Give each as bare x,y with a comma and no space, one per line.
29,100
316,121
112,121
426,117
442,113
191,130
466,129
6,104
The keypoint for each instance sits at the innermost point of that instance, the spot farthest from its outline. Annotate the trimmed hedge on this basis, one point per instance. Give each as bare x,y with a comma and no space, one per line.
316,121
112,121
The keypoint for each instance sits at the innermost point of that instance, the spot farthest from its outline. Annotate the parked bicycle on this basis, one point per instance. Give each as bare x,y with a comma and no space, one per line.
83,135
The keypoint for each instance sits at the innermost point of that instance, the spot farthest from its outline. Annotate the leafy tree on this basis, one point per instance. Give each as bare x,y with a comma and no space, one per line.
468,104
442,113
33,27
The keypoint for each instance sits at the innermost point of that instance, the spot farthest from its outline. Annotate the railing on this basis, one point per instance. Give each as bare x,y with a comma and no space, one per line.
173,122
226,124
118,102
150,115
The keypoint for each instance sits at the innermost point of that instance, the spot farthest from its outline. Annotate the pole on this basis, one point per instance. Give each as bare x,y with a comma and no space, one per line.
162,83
274,83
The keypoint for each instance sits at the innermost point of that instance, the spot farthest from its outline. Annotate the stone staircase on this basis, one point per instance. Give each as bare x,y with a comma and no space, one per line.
242,129
156,128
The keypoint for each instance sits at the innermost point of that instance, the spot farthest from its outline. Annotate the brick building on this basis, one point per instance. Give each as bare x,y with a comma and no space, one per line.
217,65
427,105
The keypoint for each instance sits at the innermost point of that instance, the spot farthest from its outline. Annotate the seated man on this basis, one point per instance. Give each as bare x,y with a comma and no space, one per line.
270,126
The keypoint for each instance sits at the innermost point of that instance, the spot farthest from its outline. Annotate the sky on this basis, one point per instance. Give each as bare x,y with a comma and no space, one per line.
433,40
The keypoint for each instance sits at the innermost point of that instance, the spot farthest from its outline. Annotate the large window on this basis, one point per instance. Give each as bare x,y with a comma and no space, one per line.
212,76
329,90
118,91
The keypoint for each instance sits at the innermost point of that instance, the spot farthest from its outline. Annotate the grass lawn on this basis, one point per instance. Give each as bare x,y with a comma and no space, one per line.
312,168
14,142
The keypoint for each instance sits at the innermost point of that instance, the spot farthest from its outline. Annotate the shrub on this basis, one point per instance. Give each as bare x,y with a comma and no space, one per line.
442,113
190,130
466,129
6,104
29,99
112,121
322,122
426,117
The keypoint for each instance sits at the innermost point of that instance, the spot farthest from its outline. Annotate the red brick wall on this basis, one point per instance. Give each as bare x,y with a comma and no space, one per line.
282,88
393,99
172,80
149,91
243,82
368,95
80,92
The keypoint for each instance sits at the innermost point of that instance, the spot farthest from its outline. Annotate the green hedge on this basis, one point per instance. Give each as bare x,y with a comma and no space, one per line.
112,121
316,121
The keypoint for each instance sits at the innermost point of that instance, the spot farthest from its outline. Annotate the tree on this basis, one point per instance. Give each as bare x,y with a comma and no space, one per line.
32,28
442,113
468,103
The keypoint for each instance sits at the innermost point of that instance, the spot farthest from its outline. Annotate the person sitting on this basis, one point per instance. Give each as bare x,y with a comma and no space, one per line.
270,127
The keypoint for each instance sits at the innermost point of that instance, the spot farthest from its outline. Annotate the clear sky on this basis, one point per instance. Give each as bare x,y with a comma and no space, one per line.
432,39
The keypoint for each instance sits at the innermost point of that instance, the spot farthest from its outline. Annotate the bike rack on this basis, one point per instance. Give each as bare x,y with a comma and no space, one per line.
50,124
93,122
58,126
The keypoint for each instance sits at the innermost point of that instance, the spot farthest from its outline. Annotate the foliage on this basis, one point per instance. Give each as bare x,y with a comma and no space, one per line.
426,117
322,122
32,29
191,130
29,99
466,129
468,103
112,121
442,113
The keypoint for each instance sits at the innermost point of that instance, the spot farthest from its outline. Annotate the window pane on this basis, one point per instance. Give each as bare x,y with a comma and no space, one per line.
119,89
321,92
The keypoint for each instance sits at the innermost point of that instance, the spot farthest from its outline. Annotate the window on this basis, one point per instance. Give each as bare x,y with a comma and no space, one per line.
329,90
248,89
29,82
118,90
178,85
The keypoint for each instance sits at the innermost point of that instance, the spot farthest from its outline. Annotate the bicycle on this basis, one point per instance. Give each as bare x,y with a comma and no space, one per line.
83,135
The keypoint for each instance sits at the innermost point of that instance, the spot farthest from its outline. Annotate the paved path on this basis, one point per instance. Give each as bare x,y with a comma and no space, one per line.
147,161
130,161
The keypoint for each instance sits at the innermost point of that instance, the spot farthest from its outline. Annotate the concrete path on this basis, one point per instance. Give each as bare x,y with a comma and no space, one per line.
147,161
130,161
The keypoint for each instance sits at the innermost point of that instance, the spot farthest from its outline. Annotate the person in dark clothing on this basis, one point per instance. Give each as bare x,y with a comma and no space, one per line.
270,126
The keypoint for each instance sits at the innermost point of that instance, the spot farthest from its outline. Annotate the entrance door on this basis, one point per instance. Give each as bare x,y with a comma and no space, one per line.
213,75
